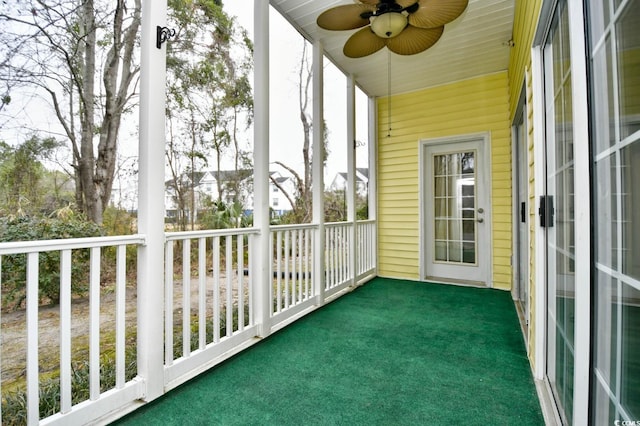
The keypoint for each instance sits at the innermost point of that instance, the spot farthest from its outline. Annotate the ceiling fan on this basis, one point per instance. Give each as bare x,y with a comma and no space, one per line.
406,27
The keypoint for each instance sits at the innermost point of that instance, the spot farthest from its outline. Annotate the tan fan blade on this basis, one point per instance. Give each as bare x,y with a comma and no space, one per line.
436,13
414,40
406,3
373,2
346,17
363,43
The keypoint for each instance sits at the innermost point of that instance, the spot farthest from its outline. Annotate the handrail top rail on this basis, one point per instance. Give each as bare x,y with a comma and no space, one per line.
293,226
184,235
366,221
20,247
338,224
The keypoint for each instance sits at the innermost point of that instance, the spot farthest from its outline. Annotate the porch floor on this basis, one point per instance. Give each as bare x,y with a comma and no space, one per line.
391,352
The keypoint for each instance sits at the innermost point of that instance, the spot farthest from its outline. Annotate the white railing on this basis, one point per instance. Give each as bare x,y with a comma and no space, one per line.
22,260
338,252
293,285
208,306
208,298
366,248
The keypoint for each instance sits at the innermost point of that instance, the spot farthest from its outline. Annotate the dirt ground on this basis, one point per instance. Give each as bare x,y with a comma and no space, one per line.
13,336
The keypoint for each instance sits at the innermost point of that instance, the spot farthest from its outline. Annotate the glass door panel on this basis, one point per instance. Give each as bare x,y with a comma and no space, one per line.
560,250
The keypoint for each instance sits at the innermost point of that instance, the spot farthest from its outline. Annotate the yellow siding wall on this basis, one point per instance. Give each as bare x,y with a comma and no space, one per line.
471,106
527,13
525,20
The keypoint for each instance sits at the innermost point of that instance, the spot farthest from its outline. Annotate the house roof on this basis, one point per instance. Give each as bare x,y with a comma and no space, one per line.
476,43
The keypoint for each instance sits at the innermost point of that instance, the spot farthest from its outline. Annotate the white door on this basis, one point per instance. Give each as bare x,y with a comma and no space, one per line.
456,216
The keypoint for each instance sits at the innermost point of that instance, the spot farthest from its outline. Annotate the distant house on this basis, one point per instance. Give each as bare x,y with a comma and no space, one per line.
339,182
234,185
203,186
278,201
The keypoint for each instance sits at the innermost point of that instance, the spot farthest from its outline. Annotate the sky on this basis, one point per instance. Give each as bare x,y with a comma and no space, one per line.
286,133
285,128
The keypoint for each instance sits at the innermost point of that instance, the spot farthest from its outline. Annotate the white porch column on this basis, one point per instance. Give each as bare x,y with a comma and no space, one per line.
351,176
318,170
260,280
151,200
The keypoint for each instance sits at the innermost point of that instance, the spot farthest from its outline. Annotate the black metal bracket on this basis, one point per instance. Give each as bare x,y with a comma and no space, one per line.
163,34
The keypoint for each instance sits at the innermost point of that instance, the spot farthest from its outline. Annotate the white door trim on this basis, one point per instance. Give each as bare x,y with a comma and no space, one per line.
485,139
582,339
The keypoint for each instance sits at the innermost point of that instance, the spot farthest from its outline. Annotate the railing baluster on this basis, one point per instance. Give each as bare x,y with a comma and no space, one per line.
346,252
186,297
216,289
94,321
121,290
300,270
307,265
65,331
329,258
337,254
329,248
287,234
294,272
250,239
240,267
279,269
202,292
339,250
33,402
168,304
229,275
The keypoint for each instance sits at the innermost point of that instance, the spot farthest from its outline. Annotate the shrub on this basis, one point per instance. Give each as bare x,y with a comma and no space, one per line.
14,403
64,225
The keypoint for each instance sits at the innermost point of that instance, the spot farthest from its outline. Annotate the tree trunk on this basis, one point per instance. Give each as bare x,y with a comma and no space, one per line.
86,163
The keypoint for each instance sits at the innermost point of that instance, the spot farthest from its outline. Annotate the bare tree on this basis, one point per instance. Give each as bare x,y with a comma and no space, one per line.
80,53
301,201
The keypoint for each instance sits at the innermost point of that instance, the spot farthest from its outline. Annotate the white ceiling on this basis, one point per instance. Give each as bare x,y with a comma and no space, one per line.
476,43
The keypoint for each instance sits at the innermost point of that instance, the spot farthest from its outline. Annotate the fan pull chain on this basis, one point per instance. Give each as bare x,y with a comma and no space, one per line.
389,92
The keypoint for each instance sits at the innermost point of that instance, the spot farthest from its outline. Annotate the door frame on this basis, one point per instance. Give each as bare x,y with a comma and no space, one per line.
582,197
485,156
522,252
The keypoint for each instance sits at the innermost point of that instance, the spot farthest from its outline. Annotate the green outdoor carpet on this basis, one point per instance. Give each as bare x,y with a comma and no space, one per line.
390,353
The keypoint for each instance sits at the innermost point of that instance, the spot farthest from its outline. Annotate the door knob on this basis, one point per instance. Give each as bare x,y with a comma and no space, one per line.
480,220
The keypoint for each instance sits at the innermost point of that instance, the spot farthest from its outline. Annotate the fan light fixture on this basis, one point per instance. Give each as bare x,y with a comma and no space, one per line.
405,27
388,24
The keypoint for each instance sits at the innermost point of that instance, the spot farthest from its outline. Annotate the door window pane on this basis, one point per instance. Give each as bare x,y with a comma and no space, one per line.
630,362
454,189
603,96
630,171
629,69
606,212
